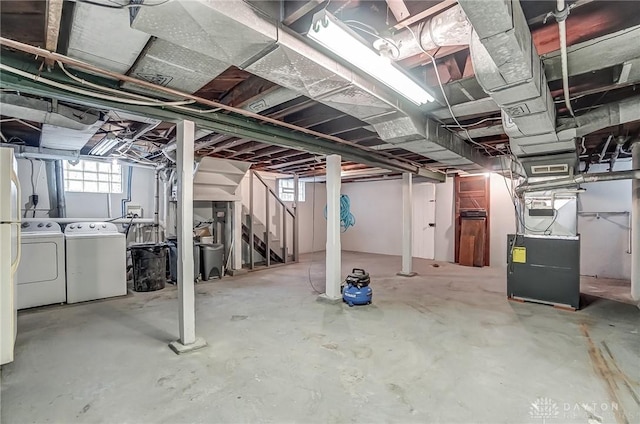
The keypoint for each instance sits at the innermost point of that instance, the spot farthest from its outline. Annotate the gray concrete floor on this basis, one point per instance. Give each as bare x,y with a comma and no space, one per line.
445,346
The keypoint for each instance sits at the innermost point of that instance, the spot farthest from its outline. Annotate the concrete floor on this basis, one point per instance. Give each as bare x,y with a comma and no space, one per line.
445,346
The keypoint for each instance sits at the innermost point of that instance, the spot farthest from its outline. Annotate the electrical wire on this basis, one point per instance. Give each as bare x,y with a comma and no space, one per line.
121,93
388,40
444,95
83,92
117,5
473,124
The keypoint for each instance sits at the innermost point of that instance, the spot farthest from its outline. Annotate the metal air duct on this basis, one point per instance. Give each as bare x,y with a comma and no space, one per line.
509,69
36,110
236,34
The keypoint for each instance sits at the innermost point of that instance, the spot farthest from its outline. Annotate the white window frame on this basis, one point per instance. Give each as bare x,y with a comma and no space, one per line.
87,176
286,193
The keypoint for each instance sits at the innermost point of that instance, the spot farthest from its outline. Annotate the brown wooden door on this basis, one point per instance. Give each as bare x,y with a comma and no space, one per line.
472,194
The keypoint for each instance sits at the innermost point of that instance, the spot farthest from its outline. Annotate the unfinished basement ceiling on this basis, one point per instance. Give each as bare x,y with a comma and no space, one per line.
596,78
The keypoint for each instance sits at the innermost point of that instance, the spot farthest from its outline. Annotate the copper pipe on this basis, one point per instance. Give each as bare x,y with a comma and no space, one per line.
36,51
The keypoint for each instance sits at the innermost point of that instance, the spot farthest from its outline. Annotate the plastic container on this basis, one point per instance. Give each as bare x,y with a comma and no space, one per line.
149,266
173,260
212,260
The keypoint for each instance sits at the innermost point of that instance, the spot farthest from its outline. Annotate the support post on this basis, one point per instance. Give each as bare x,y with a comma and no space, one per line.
267,235
251,230
333,254
407,230
635,225
186,287
296,232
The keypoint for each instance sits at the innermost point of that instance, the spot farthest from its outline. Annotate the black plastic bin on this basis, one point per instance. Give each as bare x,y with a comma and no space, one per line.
149,266
173,259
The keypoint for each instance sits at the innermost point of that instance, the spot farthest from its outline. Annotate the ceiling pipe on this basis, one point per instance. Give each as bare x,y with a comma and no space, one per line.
579,179
561,14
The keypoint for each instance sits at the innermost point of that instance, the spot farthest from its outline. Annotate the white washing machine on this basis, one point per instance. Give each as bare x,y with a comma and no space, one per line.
96,261
41,273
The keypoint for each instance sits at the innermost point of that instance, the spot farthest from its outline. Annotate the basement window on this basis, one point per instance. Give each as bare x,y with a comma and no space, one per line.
92,177
286,190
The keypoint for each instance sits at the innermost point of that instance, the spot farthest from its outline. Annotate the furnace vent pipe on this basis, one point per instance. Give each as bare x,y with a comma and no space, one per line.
580,179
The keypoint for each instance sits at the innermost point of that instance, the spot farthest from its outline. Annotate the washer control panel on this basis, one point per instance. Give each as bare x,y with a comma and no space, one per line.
91,227
40,227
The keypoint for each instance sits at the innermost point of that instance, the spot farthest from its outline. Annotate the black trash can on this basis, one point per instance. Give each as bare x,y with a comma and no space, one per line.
173,259
212,260
149,266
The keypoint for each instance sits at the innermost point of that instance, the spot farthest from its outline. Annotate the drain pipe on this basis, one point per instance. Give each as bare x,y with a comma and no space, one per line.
561,15
583,178
60,197
52,188
123,202
156,205
635,226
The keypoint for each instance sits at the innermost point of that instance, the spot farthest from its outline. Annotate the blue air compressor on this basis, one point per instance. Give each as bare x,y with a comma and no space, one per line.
356,290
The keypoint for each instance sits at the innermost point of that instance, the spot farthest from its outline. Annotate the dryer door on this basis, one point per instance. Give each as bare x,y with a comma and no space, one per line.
39,262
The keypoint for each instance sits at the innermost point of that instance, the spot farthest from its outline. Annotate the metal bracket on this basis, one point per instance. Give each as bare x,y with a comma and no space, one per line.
559,15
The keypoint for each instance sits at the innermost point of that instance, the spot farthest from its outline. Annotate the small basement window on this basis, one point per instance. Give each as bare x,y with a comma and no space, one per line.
92,177
286,190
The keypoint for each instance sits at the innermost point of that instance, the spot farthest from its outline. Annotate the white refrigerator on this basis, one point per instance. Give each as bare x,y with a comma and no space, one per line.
9,251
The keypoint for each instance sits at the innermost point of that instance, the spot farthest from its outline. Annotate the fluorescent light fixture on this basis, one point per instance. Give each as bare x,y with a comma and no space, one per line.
105,145
337,37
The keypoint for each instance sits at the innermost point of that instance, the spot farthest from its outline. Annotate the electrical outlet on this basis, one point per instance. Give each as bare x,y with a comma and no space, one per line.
134,210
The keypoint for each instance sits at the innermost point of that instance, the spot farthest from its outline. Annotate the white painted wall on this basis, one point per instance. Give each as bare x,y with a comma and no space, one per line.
445,226
313,226
604,241
377,208
89,205
502,219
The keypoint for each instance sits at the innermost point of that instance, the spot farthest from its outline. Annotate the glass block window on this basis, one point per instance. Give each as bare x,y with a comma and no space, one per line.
93,177
286,192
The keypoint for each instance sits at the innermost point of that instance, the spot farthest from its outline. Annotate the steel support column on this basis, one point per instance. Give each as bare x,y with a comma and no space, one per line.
407,221
635,226
333,254
186,286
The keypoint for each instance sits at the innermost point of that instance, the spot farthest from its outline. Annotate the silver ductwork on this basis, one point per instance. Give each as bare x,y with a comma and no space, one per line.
509,69
234,33
42,111
91,28
63,127
606,116
448,28
166,64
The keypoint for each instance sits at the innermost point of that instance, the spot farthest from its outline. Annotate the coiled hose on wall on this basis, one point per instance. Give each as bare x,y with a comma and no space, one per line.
346,217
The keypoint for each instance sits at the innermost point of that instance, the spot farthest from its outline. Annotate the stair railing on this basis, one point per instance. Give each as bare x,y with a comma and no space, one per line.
286,212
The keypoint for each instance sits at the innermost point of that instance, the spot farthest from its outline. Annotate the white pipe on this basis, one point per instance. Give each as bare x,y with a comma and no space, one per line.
562,29
633,174
73,220
109,212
